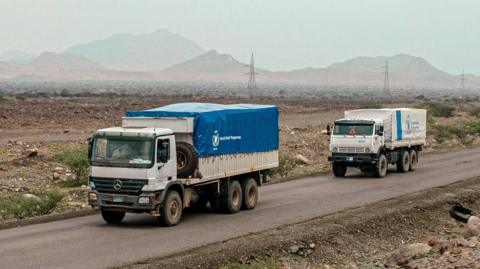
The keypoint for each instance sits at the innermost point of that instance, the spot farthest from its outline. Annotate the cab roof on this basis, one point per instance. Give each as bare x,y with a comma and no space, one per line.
133,132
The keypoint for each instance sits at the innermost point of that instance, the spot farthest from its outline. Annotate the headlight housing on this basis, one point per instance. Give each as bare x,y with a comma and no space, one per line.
143,200
367,150
91,184
92,196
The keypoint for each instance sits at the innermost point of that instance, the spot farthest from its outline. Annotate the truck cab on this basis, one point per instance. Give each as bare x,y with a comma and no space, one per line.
130,168
357,136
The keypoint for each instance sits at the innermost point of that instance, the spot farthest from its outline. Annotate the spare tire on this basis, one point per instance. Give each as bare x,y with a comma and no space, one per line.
187,159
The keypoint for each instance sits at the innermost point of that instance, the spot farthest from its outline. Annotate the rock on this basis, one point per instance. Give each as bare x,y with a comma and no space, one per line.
405,254
294,249
473,225
29,195
312,245
32,153
56,176
302,159
58,169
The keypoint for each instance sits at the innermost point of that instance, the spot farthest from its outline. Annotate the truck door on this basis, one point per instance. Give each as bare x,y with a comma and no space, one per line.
165,158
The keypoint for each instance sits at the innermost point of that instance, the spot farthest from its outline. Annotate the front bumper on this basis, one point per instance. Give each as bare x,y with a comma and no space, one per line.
354,158
122,202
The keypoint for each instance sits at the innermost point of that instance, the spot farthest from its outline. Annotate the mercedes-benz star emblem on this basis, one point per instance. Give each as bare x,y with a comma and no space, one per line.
117,184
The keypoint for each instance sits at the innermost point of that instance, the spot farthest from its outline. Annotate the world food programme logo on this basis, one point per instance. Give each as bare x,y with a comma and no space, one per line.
117,184
215,139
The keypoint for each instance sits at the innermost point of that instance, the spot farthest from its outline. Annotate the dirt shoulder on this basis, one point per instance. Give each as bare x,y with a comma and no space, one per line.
356,238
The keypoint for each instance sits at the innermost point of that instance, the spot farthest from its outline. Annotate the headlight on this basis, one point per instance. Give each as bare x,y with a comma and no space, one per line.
92,196
367,150
335,149
144,200
91,184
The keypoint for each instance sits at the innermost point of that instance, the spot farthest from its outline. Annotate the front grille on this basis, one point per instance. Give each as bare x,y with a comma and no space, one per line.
351,150
129,186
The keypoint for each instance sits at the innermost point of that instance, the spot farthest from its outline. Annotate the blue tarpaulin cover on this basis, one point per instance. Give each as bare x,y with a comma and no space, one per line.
225,129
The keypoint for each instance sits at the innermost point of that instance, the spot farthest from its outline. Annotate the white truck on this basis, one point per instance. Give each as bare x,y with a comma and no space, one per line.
183,155
371,139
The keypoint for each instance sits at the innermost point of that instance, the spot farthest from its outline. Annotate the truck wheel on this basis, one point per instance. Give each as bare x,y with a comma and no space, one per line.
403,163
380,169
250,193
171,211
413,160
339,169
232,202
112,217
187,159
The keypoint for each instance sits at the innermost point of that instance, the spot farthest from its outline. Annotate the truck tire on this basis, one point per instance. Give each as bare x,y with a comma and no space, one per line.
112,217
339,169
380,168
413,160
231,203
171,210
187,160
403,162
249,193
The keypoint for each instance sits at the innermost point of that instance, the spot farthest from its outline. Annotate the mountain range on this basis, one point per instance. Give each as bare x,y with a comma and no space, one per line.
166,56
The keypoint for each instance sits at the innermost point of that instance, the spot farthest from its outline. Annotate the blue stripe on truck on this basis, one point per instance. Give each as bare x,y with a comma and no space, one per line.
399,125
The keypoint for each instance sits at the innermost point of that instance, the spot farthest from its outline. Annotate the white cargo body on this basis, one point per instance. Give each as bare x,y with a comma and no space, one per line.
212,167
403,127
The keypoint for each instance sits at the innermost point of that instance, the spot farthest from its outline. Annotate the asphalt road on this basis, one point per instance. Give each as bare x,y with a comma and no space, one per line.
87,242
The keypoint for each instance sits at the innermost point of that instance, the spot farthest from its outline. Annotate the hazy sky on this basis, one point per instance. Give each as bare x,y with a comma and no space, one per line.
283,34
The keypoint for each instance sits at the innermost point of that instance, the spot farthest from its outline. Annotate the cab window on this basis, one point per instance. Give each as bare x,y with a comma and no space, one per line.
163,150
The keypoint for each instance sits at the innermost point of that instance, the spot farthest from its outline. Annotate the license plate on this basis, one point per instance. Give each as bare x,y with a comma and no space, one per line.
350,159
118,198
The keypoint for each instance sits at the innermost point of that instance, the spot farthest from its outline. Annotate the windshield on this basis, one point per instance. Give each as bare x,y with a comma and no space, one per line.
121,151
353,129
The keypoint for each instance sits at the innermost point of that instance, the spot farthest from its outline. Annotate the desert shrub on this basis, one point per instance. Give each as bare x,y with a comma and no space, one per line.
473,127
430,120
420,97
438,109
262,264
76,158
20,206
286,163
371,104
445,132
475,111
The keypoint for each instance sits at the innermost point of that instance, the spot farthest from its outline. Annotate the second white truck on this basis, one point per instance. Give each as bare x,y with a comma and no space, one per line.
372,139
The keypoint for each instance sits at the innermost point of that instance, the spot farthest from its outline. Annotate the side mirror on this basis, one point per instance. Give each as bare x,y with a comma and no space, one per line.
329,131
380,131
90,146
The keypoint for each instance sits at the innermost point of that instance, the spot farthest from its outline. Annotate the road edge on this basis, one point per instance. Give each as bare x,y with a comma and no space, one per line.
47,218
